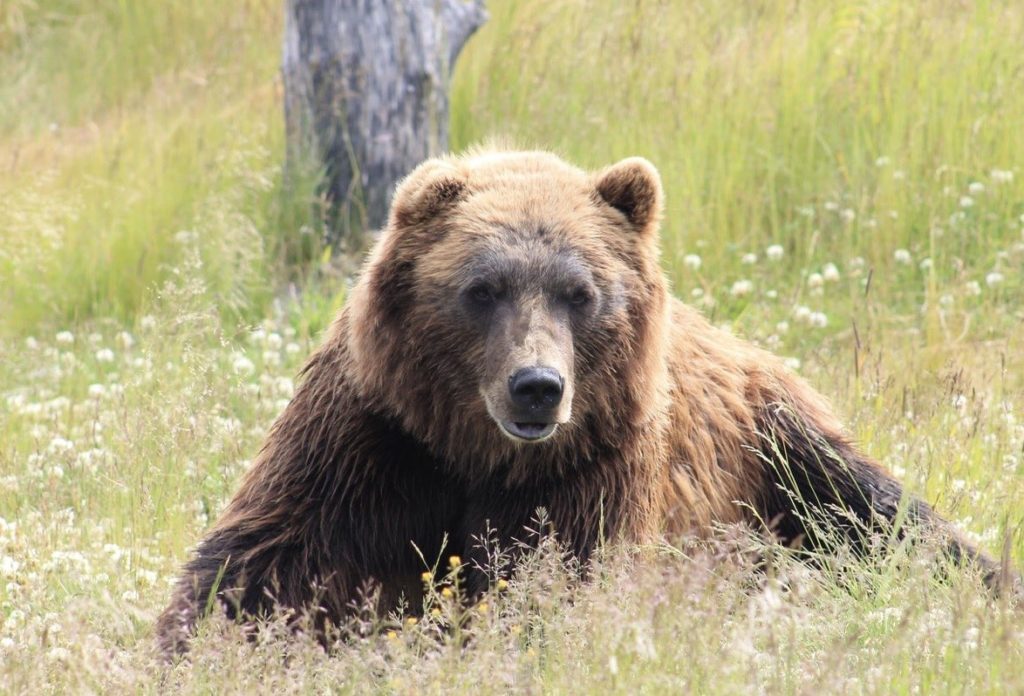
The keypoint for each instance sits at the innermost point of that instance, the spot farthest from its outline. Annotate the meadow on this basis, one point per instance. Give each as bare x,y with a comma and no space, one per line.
845,186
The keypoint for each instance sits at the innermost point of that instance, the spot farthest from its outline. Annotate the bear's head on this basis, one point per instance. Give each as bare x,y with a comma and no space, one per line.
514,307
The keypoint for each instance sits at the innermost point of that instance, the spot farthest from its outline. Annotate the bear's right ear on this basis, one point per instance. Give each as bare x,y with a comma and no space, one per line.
425,193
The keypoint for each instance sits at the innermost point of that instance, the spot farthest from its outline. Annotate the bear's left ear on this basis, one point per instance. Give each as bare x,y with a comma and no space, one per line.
632,187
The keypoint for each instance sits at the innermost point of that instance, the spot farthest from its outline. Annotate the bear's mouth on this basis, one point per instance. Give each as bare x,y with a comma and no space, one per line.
528,432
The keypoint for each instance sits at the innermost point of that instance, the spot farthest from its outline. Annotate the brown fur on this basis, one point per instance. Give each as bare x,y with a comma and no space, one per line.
669,425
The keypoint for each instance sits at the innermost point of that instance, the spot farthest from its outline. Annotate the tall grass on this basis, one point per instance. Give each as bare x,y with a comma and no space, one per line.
835,129
131,131
845,186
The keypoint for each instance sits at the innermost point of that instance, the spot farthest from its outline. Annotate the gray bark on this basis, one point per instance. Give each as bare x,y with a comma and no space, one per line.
366,95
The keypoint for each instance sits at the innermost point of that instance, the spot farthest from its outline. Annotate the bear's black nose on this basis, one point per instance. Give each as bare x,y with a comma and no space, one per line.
534,388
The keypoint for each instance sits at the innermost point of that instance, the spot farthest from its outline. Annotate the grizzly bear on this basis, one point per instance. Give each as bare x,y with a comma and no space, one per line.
511,345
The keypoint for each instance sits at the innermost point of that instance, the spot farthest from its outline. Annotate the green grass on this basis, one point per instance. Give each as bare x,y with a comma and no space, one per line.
160,285
754,112
136,131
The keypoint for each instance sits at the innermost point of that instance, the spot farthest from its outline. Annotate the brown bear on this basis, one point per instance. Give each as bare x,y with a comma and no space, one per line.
512,344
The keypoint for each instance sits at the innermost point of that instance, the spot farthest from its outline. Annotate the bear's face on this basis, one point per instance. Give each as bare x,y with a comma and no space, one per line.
528,301
507,295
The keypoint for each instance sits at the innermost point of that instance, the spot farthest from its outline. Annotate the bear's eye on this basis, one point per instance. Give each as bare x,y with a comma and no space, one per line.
482,294
579,297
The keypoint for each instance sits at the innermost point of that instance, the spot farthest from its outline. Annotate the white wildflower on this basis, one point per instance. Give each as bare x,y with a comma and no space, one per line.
15,617
147,322
125,340
90,459
819,320
976,188
105,355
749,259
741,288
243,365
114,551
692,261
973,287
993,279
65,338
830,273
815,280
970,641
58,655
782,326
847,215
966,202
882,161
60,445
774,252
292,348
8,566
97,390
902,256
1001,176
926,264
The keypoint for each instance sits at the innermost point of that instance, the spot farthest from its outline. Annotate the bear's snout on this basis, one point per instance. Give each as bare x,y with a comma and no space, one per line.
536,391
534,394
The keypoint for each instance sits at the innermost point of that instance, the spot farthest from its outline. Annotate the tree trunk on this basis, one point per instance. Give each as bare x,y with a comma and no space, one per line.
366,95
